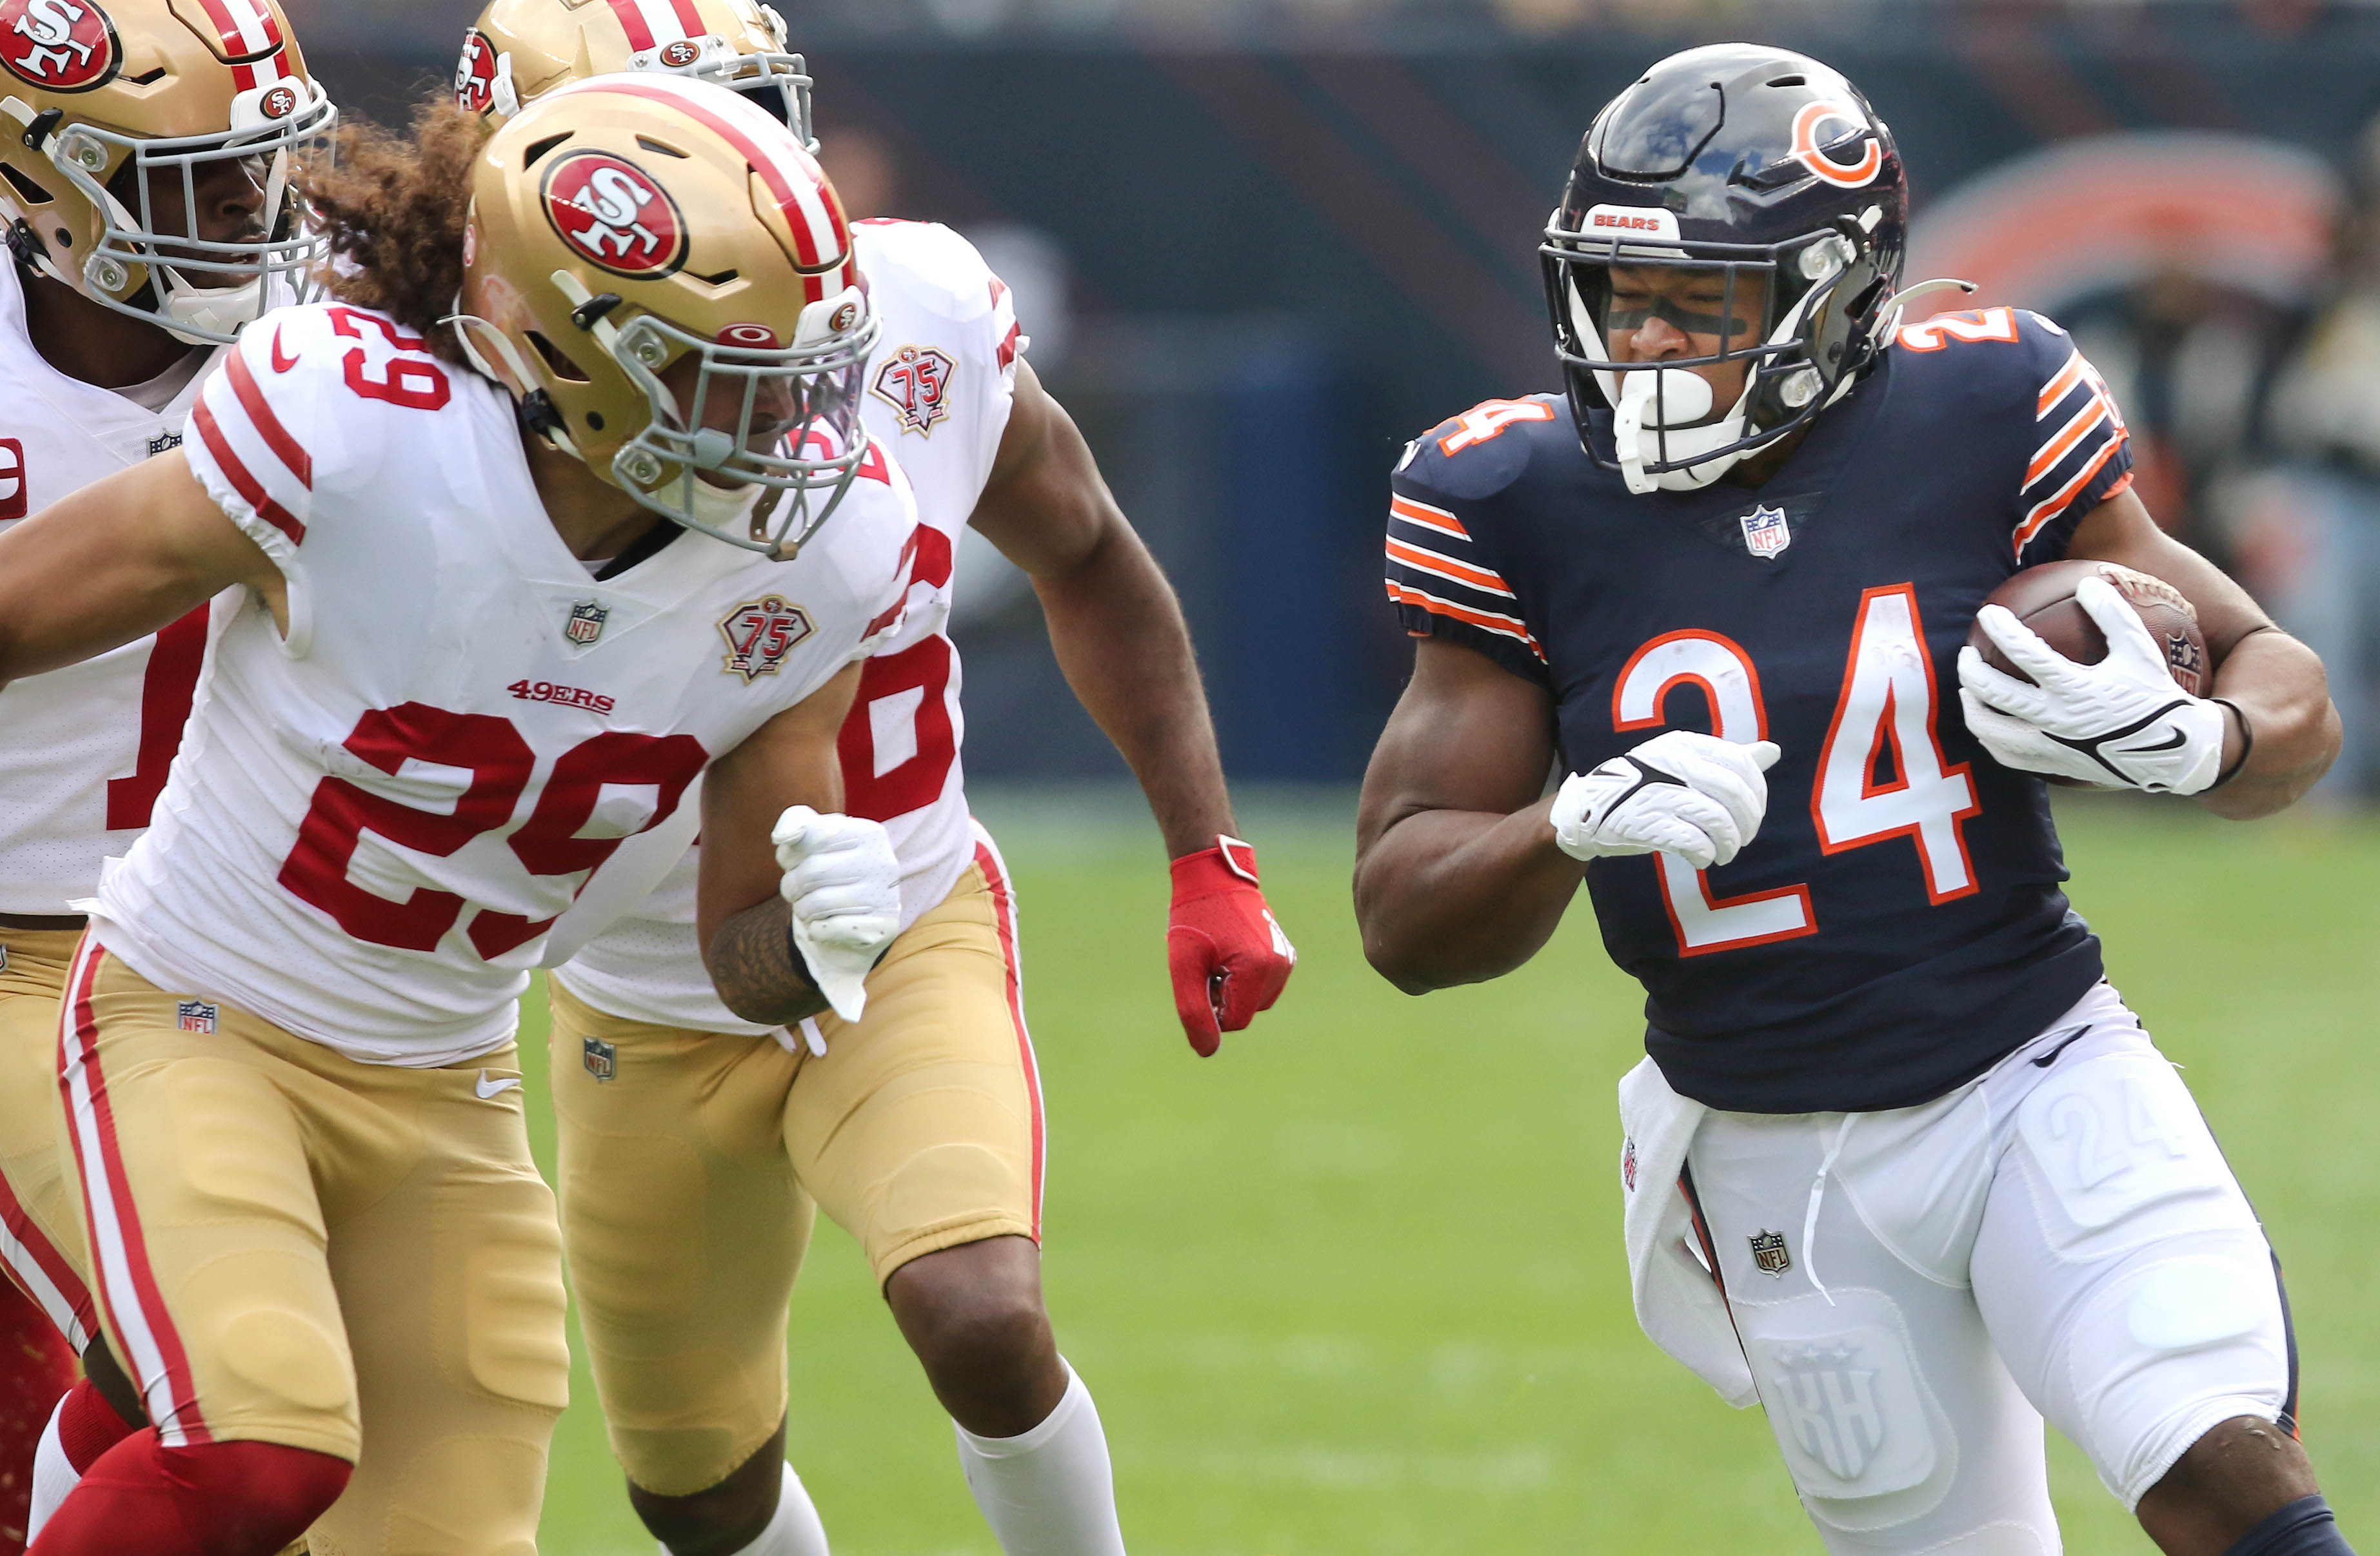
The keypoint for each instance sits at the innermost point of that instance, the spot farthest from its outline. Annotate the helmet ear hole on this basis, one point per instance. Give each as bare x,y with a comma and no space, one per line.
28,193
557,362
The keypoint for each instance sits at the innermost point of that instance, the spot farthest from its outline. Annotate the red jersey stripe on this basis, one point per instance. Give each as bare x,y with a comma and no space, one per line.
1504,626
276,437
2094,411
1422,514
1448,569
2057,388
242,482
2051,506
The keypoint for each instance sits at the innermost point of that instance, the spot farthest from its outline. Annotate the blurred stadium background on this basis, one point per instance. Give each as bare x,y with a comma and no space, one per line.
1354,1287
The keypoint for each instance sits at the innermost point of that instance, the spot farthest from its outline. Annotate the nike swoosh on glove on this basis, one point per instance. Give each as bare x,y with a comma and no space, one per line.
1226,951
1693,795
2122,722
844,885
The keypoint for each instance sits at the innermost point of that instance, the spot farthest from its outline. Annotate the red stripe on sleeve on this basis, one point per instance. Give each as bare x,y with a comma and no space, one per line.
242,482
276,437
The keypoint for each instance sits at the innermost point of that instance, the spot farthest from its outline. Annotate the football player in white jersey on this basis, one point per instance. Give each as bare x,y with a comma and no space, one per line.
473,651
148,213
920,1132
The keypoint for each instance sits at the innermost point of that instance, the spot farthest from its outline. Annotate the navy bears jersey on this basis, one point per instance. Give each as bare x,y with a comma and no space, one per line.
1899,923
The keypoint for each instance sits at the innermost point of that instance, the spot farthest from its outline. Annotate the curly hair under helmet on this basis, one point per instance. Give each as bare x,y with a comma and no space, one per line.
393,206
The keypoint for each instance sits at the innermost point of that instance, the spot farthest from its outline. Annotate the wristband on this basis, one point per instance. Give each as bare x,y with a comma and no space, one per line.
2247,742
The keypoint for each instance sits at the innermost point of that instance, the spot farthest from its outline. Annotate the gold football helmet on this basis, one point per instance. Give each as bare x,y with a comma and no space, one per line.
635,248
520,50
112,113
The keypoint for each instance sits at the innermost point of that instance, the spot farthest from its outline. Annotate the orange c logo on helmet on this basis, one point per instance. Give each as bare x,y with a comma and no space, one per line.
1807,141
59,45
613,213
475,74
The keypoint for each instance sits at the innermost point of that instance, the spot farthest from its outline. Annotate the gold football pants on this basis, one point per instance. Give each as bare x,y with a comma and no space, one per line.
689,1176
295,1248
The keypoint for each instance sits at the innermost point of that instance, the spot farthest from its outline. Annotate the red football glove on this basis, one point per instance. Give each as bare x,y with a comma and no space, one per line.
1230,959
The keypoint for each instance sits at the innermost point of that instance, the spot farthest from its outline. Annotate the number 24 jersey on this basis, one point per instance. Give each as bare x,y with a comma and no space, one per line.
1899,924
374,823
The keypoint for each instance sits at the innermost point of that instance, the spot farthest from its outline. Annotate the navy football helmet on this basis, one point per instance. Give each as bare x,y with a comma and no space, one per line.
1769,169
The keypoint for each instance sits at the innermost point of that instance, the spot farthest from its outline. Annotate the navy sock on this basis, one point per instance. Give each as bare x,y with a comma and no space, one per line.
2306,1528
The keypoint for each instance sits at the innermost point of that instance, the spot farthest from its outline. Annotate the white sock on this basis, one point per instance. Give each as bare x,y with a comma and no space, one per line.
53,1476
794,1531
1050,1493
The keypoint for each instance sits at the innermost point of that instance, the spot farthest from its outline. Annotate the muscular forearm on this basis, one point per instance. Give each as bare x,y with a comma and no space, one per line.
1119,636
1459,897
2281,690
753,967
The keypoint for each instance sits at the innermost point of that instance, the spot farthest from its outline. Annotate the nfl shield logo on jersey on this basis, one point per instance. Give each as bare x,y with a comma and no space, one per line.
194,1015
1769,1253
602,1060
586,623
1766,533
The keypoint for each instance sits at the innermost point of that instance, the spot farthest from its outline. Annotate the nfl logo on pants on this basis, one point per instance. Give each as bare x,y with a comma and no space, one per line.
601,1059
1769,1253
194,1015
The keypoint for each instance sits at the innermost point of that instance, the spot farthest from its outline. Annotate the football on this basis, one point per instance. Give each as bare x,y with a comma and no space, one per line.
2043,598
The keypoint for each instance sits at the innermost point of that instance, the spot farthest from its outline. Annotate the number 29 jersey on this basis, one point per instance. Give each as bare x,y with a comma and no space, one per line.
1899,924
375,822
940,386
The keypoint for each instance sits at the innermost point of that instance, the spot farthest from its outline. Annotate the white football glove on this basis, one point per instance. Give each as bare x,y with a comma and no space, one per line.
2122,722
844,885
1693,795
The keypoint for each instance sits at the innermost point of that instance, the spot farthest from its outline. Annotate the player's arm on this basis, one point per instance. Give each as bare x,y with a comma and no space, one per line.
1120,638
1114,623
1458,877
117,560
777,859
2275,682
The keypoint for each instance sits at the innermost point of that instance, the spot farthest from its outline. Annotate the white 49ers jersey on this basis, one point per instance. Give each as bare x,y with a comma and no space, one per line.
84,751
374,823
939,392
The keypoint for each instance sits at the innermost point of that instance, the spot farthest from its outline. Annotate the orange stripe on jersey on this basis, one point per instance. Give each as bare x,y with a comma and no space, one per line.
1422,514
242,482
2051,506
2057,389
2094,411
1452,571
1504,626
276,437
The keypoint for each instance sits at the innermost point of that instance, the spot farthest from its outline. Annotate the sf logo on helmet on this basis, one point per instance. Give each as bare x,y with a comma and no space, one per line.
475,74
610,210
64,45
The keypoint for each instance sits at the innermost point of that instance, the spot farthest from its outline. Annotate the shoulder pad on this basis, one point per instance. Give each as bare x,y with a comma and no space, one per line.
1485,449
928,265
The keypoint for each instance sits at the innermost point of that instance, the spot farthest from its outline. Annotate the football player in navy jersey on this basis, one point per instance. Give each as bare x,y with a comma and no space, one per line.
1901,1166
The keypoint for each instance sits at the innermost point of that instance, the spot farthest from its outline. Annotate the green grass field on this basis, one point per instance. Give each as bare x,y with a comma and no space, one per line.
1353,1287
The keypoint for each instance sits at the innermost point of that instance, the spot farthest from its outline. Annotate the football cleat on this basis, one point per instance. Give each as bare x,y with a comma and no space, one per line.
118,113
623,225
1768,170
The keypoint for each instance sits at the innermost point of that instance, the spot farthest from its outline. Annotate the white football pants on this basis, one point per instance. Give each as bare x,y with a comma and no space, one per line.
1916,1289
